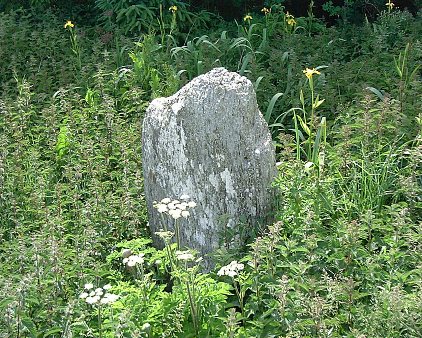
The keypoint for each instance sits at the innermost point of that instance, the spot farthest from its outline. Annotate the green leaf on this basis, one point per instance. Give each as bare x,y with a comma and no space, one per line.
304,126
376,92
271,105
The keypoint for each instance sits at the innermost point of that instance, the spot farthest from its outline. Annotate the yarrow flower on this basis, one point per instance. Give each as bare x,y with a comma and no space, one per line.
88,286
310,72
266,11
99,296
231,270
175,208
184,255
69,24
247,17
165,235
132,260
173,9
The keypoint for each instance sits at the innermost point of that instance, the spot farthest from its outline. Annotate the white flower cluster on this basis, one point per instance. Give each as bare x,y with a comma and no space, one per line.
132,260
231,269
99,295
165,235
184,255
175,208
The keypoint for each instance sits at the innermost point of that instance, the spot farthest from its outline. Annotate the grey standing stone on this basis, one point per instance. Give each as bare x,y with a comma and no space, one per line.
209,141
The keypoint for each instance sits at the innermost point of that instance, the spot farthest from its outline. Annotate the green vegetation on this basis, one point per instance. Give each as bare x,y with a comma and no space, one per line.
344,105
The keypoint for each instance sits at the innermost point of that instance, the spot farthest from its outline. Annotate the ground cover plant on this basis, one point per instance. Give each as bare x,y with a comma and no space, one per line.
344,106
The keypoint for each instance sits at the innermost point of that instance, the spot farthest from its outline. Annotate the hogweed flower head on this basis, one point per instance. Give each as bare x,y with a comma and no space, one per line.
99,295
133,260
231,270
175,208
88,286
184,255
165,235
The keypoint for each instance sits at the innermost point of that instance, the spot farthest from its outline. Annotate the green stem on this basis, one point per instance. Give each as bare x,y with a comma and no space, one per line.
99,322
311,122
192,308
240,297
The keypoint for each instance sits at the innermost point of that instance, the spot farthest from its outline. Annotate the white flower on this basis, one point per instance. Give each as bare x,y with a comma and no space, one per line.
107,287
133,260
191,204
184,197
112,297
99,291
89,286
231,270
182,206
184,256
165,235
166,200
158,262
92,300
185,213
92,294
161,207
176,213
83,295
109,298
171,206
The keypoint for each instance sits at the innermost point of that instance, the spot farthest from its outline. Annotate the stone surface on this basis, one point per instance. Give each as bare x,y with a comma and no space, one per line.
208,141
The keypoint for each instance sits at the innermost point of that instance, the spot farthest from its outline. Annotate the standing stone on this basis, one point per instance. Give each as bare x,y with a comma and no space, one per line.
209,141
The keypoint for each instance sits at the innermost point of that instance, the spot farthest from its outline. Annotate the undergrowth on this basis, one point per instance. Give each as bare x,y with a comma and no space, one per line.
342,258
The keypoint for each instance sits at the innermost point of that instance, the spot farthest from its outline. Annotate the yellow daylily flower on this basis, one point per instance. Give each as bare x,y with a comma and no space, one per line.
265,10
173,9
69,24
291,22
290,19
247,18
390,5
310,72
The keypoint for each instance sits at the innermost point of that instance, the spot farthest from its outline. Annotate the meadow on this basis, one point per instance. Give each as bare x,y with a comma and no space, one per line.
344,106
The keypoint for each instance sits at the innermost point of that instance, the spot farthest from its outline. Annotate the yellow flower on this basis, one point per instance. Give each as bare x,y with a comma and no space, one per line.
173,9
310,72
69,24
265,10
390,5
290,19
291,22
247,18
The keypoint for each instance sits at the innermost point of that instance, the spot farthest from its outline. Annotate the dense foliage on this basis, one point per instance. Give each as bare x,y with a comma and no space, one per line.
344,105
